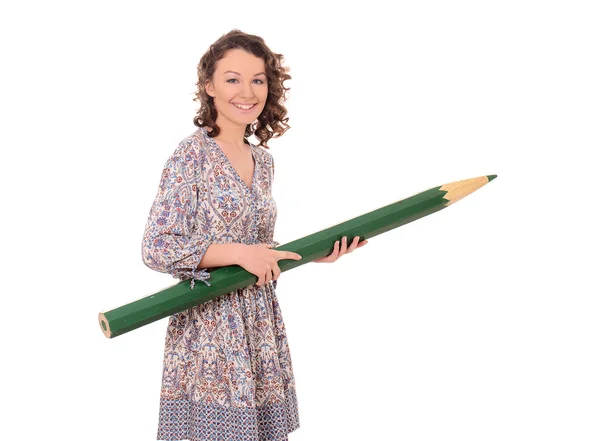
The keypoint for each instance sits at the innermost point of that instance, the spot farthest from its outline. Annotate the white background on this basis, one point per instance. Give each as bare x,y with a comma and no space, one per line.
479,322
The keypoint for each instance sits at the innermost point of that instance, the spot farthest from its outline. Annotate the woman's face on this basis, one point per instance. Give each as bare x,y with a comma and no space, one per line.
239,88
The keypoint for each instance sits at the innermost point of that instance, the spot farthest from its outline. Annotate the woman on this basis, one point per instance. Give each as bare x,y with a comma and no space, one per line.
227,367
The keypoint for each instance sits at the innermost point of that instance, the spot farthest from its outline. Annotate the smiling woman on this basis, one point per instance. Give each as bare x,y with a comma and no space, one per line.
227,370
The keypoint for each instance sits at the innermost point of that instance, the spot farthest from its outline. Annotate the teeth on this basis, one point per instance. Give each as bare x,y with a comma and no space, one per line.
244,106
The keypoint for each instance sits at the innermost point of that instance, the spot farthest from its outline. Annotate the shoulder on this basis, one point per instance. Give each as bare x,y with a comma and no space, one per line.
190,150
264,155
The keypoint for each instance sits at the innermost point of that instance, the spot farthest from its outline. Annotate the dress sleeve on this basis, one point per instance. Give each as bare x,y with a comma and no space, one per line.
175,237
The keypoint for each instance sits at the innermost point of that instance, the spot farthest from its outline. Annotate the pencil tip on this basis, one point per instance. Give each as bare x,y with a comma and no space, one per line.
491,177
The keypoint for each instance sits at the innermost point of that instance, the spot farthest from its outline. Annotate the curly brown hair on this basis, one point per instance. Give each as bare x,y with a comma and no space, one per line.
272,122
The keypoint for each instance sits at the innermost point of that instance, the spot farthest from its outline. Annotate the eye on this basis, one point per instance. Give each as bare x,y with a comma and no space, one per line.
233,80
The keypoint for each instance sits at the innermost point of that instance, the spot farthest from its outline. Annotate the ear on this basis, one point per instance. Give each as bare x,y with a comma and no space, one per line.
210,90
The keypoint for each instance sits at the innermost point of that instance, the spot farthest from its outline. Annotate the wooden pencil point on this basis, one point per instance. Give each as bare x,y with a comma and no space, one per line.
455,191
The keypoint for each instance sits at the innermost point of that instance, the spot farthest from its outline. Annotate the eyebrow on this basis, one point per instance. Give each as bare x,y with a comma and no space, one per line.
237,73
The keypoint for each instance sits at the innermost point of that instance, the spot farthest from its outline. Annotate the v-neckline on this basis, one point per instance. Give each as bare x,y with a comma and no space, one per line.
218,147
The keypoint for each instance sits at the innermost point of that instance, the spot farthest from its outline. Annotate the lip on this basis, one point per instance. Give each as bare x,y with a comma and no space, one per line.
250,110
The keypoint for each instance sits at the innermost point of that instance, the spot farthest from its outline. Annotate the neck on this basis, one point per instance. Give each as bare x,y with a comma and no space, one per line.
232,134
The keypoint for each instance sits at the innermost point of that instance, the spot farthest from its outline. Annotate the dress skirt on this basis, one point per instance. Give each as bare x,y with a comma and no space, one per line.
227,372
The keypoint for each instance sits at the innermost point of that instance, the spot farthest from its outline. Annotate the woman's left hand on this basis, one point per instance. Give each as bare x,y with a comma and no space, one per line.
339,252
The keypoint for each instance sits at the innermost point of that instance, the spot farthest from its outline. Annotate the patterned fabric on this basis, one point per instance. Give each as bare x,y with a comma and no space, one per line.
227,371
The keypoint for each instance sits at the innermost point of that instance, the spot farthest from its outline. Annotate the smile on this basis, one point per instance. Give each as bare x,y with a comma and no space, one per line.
244,106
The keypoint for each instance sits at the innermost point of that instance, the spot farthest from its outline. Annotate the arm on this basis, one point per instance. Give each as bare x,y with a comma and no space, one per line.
221,254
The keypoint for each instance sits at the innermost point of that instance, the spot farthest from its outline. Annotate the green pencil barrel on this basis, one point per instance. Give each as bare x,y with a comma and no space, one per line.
226,279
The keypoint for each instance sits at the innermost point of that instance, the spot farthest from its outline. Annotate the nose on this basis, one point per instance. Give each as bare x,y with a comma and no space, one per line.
247,91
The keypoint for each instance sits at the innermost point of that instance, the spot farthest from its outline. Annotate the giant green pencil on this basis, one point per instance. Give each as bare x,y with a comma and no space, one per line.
223,280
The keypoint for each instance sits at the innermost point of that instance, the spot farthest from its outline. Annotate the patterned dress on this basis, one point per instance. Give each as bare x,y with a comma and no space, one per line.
227,371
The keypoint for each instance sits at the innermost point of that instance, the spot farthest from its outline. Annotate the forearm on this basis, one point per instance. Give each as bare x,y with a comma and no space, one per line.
221,254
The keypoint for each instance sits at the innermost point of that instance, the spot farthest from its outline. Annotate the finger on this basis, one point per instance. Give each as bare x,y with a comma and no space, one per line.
289,255
364,242
326,259
344,246
336,251
335,248
331,258
322,259
261,280
268,276
353,245
276,272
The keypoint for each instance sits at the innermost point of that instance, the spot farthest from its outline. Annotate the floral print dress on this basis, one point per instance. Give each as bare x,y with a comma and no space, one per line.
227,371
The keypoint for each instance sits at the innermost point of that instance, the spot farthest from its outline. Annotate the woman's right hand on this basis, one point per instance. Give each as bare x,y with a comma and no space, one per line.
261,260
